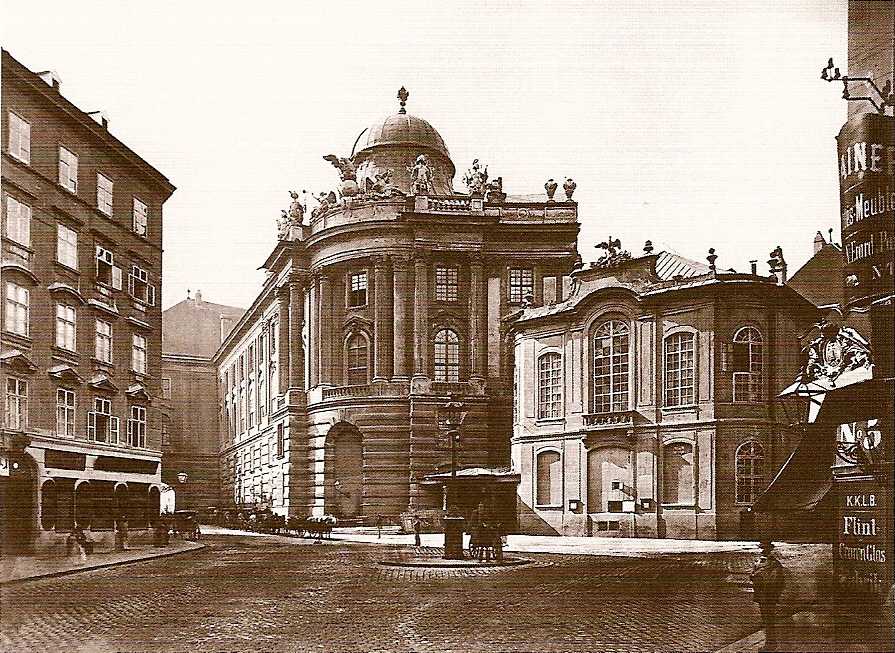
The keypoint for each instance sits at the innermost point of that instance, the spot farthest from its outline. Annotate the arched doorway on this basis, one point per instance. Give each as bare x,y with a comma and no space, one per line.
155,505
18,504
345,471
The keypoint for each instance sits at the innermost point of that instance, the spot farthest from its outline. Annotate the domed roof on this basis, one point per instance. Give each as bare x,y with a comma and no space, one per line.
401,129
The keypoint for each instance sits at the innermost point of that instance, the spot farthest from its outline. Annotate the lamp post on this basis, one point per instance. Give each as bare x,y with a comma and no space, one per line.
450,417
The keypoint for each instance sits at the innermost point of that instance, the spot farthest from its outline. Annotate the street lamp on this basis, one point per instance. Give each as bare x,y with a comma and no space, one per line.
182,477
450,417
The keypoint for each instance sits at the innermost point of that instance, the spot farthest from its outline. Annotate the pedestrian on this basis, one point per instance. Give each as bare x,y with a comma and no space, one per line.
417,529
378,527
767,585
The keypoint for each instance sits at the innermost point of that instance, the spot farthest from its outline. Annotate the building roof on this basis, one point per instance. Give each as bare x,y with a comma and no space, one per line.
196,327
820,279
401,129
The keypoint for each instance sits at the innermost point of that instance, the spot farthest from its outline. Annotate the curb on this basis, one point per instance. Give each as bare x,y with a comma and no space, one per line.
458,564
105,565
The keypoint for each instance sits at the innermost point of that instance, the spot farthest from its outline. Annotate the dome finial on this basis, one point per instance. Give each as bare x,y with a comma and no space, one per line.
403,94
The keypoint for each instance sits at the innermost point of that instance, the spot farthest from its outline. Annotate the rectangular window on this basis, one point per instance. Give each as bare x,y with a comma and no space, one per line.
141,217
166,388
136,427
251,358
241,409
357,295
262,396
65,413
250,397
16,403
19,138
18,221
139,286
103,341
66,327
280,443
138,354
107,272
521,284
17,305
166,434
68,169
550,386
680,368
67,246
104,193
102,426
446,284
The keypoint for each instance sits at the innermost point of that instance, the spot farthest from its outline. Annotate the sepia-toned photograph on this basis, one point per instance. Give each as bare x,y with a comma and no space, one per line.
464,327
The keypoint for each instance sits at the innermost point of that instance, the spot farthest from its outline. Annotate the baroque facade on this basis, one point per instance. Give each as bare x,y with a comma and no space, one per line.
383,303
81,323
646,400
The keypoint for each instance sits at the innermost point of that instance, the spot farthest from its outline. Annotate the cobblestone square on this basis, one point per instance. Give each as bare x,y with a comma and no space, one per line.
263,594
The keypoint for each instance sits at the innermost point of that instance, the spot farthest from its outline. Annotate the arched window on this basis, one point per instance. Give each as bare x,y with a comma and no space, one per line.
677,473
611,366
549,482
357,357
447,356
747,350
48,505
680,369
749,472
549,386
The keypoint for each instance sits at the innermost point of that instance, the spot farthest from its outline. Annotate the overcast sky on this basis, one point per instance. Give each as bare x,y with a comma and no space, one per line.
693,124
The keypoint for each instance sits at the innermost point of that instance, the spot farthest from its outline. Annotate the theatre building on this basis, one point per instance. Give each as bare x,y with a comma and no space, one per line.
379,306
645,403
80,347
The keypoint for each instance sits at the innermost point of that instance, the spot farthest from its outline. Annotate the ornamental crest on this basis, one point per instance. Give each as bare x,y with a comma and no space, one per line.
835,353
613,253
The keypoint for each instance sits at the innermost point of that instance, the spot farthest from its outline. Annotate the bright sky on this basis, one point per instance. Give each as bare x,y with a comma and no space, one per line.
693,124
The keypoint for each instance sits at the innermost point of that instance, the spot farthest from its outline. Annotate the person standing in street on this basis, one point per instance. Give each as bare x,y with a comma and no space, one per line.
417,529
767,585
378,527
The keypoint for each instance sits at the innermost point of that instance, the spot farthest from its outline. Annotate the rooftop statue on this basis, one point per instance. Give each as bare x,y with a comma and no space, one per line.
296,209
569,187
291,217
613,253
326,202
421,177
476,178
381,186
494,190
346,168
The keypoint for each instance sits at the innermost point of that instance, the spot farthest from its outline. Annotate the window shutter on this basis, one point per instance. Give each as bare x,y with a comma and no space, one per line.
113,430
130,432
116,278
91,425
150,295
726,356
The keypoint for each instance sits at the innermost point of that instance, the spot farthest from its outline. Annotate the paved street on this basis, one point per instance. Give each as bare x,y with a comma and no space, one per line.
264,594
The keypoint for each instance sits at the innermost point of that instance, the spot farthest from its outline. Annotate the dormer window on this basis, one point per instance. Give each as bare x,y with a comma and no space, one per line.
139,286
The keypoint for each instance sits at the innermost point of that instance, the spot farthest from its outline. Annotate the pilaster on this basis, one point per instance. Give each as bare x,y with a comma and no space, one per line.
382,293
421,316
400,297
283,336
478,327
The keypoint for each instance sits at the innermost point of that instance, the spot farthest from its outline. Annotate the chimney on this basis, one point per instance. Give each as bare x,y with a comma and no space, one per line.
754,265
51,78
225,327
100,117
819,242
198,296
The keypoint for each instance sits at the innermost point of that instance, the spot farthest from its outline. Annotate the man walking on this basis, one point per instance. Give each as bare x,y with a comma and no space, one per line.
767,585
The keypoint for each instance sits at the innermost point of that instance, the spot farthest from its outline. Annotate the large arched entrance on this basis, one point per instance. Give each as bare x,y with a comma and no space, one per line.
18,504
344,471
609,478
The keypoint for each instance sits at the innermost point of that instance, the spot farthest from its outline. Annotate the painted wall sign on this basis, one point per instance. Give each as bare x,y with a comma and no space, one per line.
866,147
862,552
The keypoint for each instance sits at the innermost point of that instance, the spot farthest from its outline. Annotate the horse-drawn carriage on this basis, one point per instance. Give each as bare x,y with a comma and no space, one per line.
318,527
185,524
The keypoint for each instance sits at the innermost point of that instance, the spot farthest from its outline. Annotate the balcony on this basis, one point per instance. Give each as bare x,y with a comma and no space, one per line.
19,258
604,421
426,204
364,391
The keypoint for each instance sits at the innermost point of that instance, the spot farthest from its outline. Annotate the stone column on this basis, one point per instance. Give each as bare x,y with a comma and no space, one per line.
421,317
324,309
296,322
478,326
382,292
283,300
314,333
401,295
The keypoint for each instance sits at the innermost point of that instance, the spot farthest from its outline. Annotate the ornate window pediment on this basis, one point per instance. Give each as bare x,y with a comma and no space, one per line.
65,373
138,391
358,324
17,360
102,382
59,287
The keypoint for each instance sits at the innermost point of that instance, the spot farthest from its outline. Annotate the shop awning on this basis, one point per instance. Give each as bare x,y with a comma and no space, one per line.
805,478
